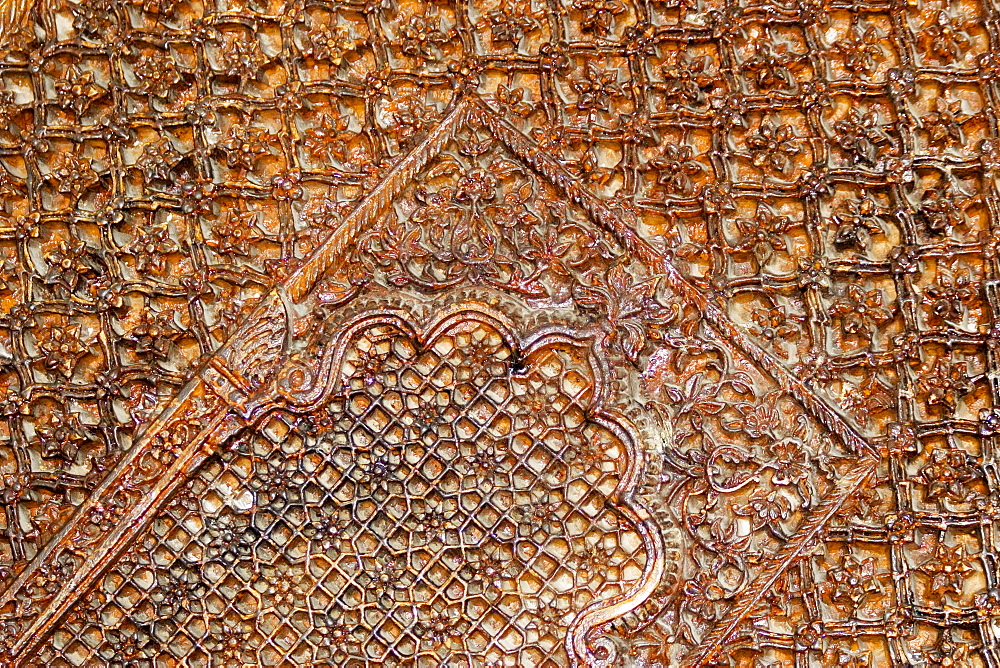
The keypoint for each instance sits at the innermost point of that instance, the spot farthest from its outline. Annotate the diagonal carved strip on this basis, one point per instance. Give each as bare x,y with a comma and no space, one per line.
295,287
807,535
206,378
528,151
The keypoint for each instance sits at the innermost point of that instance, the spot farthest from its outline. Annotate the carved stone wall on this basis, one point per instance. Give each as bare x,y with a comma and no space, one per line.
522,333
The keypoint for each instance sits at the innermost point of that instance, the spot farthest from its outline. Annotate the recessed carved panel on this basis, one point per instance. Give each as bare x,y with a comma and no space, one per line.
463,494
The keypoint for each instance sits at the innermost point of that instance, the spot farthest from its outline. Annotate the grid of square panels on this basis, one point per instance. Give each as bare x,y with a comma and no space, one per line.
828,168
161,164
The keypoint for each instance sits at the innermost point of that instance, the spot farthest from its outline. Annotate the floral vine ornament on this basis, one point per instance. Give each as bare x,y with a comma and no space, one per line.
255,372
782,495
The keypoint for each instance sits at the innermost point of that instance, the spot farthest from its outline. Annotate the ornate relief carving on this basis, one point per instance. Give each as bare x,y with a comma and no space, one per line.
772,224
456,489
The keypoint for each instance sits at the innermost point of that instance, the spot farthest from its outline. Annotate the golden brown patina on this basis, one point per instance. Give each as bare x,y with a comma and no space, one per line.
499,333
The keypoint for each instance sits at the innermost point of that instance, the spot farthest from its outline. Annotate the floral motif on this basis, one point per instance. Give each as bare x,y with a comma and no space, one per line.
596,89
240,57
244,147
942,37
856,226
675,169
73,175
947,570
158,74
511,21
862,135
151,246
62,436
772,64
445,627
853,583
861,312
944,124
156,7
96,20
949,475
948,298
946,653
286,186
77,90
763,235
848,658
71,265
629,307
942,382
154,335
62,346
776,325
773,148
422,37
408,116
942,208
687,79
158,160
237,234
860,51
230,537
598,15
230,645
329,140
330,42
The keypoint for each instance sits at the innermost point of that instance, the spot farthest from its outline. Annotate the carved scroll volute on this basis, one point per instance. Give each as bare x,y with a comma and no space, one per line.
303,382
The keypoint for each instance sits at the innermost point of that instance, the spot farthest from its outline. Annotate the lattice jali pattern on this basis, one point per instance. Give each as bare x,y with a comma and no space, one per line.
826,170
455,501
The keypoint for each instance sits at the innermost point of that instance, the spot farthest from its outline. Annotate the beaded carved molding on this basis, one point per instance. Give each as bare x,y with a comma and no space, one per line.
499,333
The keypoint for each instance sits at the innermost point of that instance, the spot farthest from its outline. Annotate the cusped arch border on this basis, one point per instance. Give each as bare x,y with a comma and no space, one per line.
306,383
